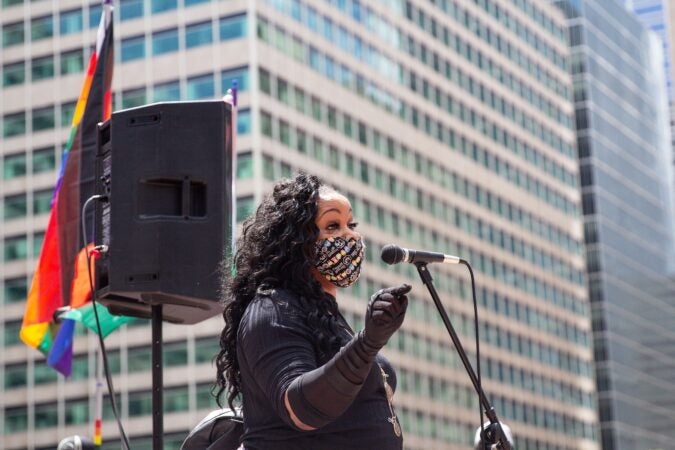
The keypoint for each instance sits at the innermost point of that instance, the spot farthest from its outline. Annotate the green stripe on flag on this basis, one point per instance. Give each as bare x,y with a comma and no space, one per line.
86,316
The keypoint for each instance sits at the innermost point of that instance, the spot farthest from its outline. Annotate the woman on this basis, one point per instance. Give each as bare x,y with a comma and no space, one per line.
306,380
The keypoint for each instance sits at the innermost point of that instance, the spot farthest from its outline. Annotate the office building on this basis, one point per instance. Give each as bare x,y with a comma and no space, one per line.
656,15
653,14
448,123
624,149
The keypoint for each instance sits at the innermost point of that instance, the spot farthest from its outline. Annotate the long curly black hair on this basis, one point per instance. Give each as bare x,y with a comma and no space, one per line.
276,249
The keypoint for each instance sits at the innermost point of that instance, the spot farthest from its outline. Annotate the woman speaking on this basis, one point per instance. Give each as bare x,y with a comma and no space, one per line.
305,379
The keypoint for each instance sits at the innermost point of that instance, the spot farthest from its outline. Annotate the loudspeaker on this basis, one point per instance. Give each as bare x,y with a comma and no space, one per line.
167,172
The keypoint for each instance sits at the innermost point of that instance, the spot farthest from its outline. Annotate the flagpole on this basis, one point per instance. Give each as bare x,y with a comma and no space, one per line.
98,417
106,19
231,98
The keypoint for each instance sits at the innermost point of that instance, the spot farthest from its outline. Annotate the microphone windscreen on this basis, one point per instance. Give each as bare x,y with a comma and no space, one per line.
392,254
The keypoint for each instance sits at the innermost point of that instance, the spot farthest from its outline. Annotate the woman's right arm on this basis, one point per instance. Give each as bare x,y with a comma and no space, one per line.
279,351
316,398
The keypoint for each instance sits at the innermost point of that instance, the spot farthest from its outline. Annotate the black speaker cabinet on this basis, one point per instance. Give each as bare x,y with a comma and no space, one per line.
167,169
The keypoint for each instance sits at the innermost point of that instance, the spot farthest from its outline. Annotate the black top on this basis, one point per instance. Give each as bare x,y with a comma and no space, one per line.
274,346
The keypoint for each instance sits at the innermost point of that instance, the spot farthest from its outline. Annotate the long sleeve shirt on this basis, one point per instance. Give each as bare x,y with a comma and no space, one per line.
274,346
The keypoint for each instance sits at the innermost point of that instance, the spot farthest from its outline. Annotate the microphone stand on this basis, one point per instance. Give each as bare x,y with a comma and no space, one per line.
493,434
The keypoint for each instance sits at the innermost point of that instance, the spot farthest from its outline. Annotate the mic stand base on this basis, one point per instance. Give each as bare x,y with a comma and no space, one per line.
494,434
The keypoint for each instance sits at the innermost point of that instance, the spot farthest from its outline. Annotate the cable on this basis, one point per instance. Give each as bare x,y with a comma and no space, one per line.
106,368
475,318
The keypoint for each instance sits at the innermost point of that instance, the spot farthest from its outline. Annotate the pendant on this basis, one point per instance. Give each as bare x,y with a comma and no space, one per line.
397,428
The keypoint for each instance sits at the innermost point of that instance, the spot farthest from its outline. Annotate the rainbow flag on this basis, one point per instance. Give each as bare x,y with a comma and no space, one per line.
61,277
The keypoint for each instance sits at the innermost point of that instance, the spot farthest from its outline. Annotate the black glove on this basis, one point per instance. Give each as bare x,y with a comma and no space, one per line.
322,395
384,315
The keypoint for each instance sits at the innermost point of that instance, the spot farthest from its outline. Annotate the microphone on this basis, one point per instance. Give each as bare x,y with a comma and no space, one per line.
393,254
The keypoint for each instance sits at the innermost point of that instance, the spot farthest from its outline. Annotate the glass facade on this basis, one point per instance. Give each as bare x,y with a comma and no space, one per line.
654,15
449,125
622,130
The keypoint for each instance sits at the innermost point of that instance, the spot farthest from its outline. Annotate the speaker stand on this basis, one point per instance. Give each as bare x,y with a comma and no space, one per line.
157,379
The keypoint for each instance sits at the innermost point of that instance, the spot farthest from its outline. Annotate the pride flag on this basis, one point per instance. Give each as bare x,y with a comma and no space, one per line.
61,277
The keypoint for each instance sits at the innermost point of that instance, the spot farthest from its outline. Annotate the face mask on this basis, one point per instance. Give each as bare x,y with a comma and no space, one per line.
339,260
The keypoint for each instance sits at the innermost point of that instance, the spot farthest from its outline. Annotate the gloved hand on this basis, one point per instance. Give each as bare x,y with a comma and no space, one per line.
384,315
490,432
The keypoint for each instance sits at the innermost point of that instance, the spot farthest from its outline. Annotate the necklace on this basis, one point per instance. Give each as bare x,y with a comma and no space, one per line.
390,400
389,392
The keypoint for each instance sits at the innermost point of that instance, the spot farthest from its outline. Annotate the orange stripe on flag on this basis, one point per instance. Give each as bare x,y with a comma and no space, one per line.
80,291
84,93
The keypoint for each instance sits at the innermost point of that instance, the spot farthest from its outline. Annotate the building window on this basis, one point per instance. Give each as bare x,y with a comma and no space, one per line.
15,248
166,92
232,27
12,330
42,201
16,419
133,98
198,34
15,376
206,349
200,87
240,75
165,41
130,9
268,168
175,354
14,166
13,34
15,206
42,68
133,48
138,359
46,416
245,165
244,208
266,124
95,11
77,412
14,124
8,3
176,399
43,118
163,5
15,290
80,369
71,22
44,160
38,240
72,62
41,28
284,133
264,81
67,113
13,74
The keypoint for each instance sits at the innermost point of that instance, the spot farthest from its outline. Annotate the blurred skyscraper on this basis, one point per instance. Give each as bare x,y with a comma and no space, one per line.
623,144
658,16
654,15
449,123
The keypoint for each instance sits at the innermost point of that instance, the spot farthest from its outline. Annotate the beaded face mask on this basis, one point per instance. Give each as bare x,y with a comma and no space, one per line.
339,260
